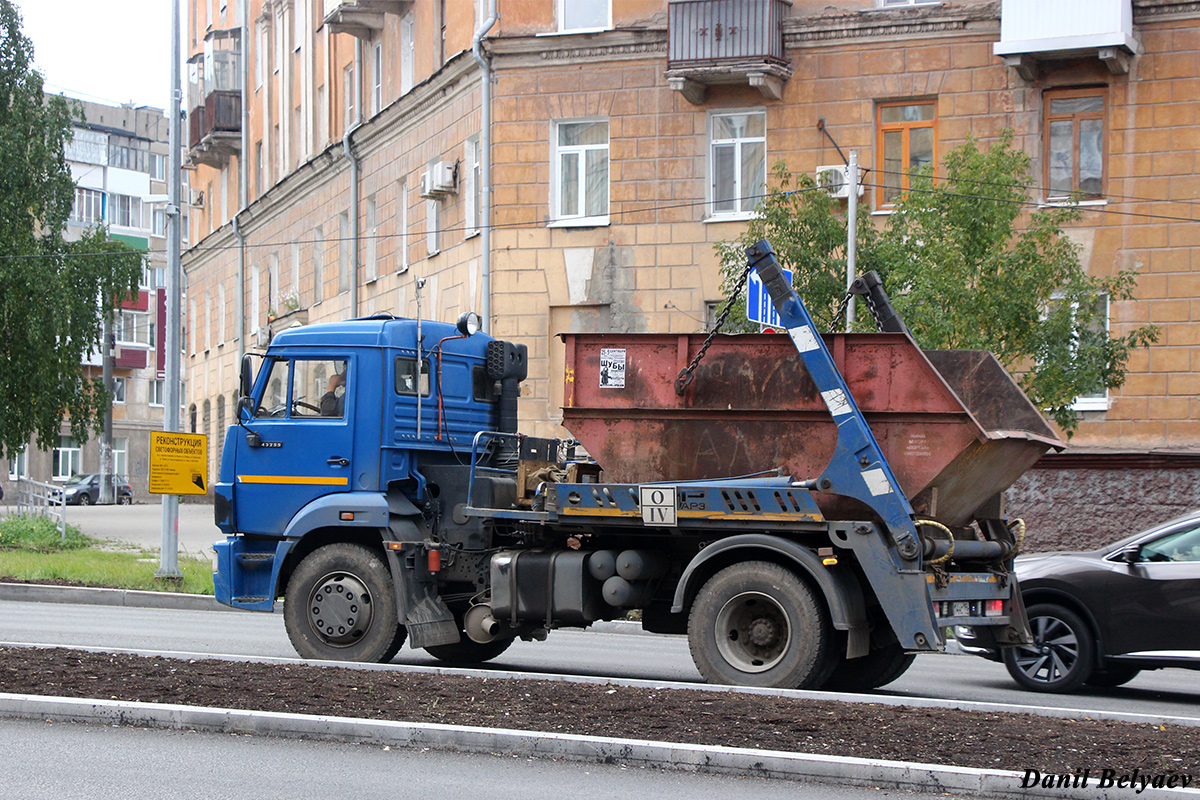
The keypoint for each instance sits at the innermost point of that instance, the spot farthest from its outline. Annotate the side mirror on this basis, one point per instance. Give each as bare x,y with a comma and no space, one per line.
246,382
245,406
1130,555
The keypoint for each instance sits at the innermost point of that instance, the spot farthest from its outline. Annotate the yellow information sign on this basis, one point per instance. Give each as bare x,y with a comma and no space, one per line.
178,463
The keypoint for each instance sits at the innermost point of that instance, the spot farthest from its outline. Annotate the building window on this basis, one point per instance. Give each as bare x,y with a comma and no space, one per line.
120,455
297,27
371,261
18,466
1097,324
474,185
906,137
158,222
125,211
156,393
89,206
348,94
118,390
581,166
318,264
584,15
738,162
1074,143
377,80
158,166
402,216
68,458
343,252
432,222
133,328
260,57
408,38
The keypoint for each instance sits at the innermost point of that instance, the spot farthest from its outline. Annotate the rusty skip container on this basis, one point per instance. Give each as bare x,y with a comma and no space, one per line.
953,424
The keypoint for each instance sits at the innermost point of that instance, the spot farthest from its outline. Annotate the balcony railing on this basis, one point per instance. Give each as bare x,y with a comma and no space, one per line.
1036,29
726,41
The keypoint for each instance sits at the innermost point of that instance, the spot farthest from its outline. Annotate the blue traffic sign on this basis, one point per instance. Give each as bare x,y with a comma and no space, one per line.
758,303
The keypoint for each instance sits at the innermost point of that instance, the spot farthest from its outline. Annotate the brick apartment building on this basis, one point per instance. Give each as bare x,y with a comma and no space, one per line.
339,148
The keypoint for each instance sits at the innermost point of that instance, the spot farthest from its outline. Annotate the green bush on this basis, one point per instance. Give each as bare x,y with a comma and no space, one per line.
39,534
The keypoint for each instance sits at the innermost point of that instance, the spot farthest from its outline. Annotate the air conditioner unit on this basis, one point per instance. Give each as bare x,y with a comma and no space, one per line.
835,180
438,180
196,198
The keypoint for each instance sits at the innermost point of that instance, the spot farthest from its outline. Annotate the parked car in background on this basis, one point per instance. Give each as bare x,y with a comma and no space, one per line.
1101,617
84,490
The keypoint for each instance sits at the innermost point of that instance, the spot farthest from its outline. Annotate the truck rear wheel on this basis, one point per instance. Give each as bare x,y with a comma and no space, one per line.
758,624
340,605
877,668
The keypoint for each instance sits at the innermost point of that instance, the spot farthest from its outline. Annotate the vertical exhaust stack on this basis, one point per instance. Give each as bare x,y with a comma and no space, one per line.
509,364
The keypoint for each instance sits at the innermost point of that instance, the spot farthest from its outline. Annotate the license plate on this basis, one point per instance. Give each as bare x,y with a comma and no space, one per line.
962,608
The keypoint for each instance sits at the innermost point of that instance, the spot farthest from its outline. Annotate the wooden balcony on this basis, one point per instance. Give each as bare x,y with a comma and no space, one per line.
727,42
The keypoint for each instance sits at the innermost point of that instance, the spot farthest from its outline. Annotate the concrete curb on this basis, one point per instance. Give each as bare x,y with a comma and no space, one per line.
633,752
89,595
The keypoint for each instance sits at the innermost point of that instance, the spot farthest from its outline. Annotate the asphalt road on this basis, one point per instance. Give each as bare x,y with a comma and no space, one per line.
617,655
64,761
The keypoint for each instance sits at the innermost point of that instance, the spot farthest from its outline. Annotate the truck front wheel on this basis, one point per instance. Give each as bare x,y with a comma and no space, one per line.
758,624
340,605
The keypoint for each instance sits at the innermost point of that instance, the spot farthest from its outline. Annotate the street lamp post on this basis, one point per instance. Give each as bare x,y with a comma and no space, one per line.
169,560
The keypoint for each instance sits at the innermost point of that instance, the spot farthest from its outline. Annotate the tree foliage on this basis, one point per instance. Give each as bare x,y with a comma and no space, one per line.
968,266
53,293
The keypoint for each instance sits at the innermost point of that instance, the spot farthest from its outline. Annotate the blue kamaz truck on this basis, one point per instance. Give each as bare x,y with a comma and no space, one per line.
376,481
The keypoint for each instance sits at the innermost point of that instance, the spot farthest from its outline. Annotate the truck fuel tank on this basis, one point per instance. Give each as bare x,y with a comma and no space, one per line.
954,426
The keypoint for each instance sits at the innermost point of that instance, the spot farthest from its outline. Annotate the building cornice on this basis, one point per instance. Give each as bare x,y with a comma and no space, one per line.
934,20
626,44
1145,11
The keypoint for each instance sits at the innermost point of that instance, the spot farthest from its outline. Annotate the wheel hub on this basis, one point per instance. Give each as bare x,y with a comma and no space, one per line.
340,609
752,632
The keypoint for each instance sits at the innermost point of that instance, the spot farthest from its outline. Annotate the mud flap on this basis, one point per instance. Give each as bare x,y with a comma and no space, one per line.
428,620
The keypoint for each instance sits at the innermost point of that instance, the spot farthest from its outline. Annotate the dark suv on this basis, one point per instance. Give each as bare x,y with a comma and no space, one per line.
84,490
1101,617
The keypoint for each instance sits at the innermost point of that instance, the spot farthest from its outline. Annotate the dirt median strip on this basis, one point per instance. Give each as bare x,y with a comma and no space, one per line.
840,770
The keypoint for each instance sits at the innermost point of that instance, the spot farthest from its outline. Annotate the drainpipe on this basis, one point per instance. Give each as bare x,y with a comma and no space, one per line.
348,151
485,163
243,188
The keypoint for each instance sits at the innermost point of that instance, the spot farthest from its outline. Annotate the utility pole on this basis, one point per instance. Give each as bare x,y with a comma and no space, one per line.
169,558
851,235
105,493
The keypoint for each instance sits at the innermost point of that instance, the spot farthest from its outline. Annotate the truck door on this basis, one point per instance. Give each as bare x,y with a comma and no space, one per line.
306,449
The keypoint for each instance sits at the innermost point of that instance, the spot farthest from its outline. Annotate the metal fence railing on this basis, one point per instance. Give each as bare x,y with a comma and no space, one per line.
46,499
712,31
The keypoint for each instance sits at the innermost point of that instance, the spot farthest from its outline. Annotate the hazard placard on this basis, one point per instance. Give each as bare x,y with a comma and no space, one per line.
178,463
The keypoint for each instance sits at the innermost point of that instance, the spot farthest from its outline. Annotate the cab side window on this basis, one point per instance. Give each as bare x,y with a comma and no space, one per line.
406,376
319,388
1179,546
274,398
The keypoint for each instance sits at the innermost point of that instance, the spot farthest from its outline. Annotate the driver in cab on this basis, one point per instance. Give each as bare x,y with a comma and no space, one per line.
333,401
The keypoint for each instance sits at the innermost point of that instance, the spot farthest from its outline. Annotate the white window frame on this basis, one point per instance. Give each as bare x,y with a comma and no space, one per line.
18,465
120,455
348,99
561,15
433,213
408,45
344,265
472,187
119,388
402,216
377,80
318,263
88,208
157,393
557,152
67,453
1101,400
371,236
738,143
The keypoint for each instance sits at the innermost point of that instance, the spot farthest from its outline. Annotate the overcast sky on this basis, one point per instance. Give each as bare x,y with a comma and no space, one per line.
113,51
